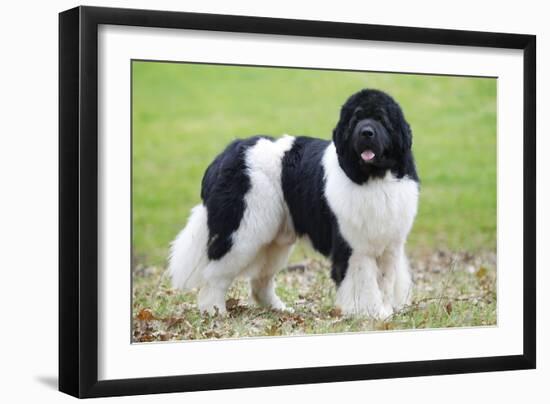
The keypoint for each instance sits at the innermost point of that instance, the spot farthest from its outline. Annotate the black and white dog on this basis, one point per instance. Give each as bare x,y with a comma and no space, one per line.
354,198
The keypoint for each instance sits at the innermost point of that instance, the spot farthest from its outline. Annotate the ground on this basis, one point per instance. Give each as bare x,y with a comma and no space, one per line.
451,290
183,115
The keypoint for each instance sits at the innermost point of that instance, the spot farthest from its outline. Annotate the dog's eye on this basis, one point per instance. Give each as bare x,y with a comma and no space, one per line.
387,124
352,122
358,113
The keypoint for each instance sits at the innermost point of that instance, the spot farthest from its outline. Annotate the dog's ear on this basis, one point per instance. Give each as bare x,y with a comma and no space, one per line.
338,132
341,131
406,134
401,127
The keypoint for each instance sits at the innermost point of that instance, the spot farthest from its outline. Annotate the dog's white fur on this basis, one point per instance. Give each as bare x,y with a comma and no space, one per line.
261,244
374,218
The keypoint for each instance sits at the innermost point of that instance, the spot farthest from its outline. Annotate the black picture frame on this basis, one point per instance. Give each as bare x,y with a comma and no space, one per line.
78,200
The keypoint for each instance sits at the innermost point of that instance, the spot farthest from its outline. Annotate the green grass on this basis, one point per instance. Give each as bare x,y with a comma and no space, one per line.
184,114
452,290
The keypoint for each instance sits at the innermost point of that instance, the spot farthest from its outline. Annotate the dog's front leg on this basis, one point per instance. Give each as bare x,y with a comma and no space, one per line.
359,292
395,278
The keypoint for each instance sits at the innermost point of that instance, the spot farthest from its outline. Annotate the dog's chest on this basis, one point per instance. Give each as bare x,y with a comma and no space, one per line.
374,215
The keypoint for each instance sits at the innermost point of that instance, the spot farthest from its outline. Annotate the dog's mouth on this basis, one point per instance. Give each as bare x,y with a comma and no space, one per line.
367,155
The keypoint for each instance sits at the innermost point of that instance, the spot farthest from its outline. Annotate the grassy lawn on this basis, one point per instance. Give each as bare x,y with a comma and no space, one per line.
183,115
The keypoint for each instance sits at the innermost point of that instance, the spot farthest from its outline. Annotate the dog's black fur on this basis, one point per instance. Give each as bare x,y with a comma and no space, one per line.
370,119
392,140
224,186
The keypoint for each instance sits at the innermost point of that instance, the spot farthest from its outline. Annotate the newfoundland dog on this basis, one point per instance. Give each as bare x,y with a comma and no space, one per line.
354,198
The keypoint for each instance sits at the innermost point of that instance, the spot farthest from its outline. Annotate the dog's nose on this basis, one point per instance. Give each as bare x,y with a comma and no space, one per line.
367,132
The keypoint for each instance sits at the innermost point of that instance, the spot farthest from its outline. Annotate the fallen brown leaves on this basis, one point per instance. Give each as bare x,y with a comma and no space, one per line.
231,303
145,315
449,307
335,312
449,289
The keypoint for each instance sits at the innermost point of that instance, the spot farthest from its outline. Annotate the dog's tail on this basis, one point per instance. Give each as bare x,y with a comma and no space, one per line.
188,256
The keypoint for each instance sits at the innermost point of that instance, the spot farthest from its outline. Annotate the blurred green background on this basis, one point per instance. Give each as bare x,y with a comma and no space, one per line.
184,115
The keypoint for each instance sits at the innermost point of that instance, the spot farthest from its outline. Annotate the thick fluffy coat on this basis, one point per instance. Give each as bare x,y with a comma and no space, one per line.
354,198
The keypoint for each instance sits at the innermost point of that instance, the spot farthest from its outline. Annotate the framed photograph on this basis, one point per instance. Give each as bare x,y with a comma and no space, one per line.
249,201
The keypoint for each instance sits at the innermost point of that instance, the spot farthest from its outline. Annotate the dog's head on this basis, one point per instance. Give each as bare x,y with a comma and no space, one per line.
372,137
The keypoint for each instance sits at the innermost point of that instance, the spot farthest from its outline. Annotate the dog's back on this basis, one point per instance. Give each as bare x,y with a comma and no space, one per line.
242,226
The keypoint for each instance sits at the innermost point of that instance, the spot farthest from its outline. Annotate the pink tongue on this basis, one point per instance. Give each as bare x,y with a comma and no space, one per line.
367,155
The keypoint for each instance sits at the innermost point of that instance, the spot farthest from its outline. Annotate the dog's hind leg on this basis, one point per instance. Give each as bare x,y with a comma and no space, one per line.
211,297
219,274
262,285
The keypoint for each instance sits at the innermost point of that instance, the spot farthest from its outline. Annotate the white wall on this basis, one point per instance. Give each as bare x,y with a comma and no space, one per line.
28,197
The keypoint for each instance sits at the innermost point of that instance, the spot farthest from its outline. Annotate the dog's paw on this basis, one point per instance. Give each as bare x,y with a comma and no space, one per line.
285,309
273,302
376,312
212,310
277,304
402,299
381,312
